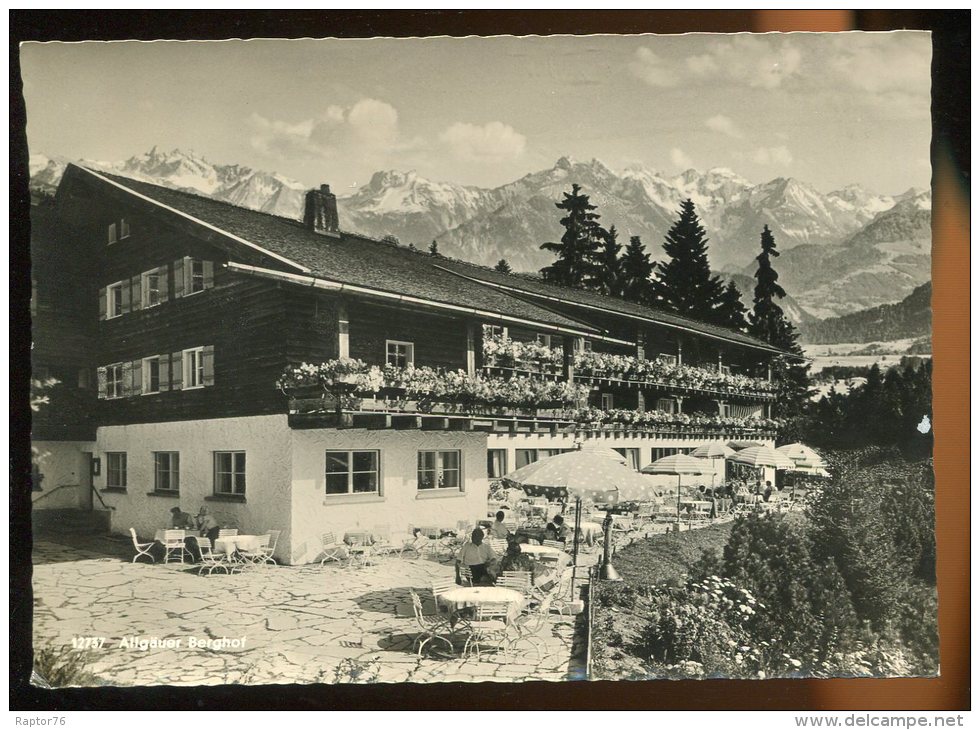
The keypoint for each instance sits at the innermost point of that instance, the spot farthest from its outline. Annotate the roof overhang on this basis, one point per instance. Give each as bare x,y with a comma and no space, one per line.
617,313
317,282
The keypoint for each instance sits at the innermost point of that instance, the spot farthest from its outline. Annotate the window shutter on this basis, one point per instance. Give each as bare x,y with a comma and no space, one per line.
103,302
176,371
102,383
208,358
127,378
178,278
164,284
164,373
136,289
208,274
125,297
137,377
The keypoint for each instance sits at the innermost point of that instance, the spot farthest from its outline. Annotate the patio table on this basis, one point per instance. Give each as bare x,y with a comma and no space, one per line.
466,597
232,543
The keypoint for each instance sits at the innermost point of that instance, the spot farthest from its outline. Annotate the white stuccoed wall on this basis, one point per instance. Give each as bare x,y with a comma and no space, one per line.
401,503
266,441
60,463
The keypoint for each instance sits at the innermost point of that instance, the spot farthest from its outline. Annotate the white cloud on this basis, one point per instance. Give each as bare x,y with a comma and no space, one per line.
651,68
368,126
772,156
762,62
723,125
882,64
491,143
680,159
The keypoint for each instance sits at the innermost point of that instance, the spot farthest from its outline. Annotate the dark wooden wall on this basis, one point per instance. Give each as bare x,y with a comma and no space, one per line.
440,340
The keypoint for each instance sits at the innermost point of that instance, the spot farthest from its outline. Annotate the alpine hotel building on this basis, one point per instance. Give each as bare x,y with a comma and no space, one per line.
168,319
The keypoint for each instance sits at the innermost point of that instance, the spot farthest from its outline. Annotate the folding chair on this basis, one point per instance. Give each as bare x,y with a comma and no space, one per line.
142,548
173,542
488,625
210,561
332,550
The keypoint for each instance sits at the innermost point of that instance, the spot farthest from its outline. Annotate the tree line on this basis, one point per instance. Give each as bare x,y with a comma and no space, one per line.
590,257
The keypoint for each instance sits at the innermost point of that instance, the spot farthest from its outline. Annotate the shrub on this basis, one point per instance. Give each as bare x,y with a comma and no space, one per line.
62,666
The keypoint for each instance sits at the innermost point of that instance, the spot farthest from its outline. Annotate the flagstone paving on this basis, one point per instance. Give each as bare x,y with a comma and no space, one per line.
297,624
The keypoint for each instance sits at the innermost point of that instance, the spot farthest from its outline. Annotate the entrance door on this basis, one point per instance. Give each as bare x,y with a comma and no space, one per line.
85,481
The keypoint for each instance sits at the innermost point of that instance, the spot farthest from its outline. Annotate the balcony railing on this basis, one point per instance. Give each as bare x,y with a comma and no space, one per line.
532,358
377,395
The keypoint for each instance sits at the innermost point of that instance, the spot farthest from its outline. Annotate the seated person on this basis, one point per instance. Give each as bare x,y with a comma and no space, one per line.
514,559
556,530
181,520
207,525
477,556
498,529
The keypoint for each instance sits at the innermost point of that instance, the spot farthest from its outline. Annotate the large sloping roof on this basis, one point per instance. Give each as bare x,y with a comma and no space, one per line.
539,290
348,259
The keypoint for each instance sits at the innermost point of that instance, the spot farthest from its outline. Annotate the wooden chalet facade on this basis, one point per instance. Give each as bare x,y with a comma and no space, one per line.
169,318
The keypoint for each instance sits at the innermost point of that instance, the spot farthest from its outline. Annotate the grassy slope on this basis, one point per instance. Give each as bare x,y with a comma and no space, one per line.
666,557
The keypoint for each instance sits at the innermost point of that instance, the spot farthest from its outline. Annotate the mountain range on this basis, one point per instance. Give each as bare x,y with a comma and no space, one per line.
841,251
911,317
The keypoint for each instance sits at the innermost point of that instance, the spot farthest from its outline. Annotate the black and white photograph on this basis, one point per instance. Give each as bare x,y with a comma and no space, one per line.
481,359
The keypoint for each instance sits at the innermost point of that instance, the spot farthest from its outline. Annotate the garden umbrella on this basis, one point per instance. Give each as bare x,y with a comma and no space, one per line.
738,445
760,456
578,475
714,450
802,455
679,464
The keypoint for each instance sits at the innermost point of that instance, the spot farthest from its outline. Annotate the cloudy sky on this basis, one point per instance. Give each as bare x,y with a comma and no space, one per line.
829,109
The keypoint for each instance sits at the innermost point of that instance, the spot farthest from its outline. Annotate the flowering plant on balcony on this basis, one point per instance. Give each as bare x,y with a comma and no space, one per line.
634,418
501,351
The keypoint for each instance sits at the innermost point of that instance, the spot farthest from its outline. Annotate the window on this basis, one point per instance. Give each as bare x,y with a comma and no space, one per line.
587,345
496,463
632,457
400,354
667,405
229,472
494,330
112,233
725,369
439,470
352,472
544,340
115,470
151,375
154,285
166,471
669,359
525,457
114,381
660,453
194,368
85,378
123,229
114,300
607,401
195,279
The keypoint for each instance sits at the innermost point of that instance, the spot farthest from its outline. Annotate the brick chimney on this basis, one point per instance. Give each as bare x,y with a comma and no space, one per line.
320,211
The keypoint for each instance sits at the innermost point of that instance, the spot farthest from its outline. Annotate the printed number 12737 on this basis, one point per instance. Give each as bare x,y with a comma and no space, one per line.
87,642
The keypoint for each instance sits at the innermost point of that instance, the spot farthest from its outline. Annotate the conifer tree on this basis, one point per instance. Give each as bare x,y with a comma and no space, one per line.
637,273
610,277
731,312
769,323
433,248
684,283
503,267
578,249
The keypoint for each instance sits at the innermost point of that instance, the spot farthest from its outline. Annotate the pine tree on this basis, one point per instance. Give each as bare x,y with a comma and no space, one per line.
578,250
684,283
503,267
731,312
637,273
769,323
767,319
433,248
610,265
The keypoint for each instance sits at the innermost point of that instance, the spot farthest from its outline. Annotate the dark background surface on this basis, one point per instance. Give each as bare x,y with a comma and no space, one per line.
951,182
